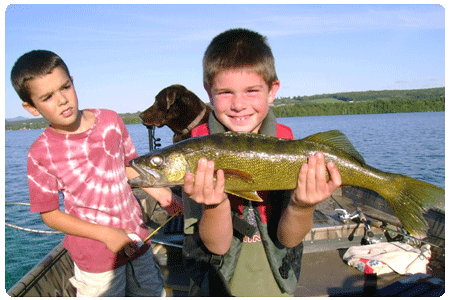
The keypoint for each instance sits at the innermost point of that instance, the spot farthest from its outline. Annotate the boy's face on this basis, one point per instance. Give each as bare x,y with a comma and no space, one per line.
241,99
54,98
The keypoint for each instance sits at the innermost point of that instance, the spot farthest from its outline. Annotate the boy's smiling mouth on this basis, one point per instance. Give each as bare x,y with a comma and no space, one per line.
240,118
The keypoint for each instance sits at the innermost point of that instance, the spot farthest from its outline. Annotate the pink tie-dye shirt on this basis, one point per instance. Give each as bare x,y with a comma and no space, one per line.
89,170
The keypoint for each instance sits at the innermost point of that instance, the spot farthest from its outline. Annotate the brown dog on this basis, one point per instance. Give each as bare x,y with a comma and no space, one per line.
178,108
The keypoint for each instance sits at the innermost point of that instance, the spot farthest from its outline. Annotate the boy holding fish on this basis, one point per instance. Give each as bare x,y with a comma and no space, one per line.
84,155
257,246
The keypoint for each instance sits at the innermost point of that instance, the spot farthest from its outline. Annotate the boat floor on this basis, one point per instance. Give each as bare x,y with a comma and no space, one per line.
322,274
326,274
323,271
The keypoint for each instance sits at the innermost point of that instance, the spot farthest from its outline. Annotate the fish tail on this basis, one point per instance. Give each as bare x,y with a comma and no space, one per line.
410,198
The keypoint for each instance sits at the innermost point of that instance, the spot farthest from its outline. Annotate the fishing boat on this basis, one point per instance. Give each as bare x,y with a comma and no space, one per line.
351,217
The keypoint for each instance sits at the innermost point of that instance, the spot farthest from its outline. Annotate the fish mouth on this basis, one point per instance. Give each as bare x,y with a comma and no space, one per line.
147,177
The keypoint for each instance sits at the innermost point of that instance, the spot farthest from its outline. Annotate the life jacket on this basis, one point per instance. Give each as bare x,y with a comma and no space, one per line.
284,262
283,131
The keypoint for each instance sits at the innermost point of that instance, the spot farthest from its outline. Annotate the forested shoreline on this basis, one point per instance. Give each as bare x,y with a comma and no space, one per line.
358,108
350,103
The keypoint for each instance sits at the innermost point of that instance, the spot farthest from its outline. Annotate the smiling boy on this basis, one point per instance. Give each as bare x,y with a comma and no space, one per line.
84,155
239,76
241,99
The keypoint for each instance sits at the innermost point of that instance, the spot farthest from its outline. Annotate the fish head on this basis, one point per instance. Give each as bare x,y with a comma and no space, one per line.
159,170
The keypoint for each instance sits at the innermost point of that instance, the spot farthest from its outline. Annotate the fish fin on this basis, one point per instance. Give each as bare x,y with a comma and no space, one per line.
338,140
251,196
410,198
233,173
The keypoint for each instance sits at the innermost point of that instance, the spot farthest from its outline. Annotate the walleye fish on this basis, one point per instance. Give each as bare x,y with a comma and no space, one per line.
253,162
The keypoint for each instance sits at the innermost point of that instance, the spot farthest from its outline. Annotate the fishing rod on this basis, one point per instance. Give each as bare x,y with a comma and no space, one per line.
344,216
29,229
59,232
369,236
384,228
135,238
157,229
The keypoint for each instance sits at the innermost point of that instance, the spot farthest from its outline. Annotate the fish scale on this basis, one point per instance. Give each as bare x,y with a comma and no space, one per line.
253,162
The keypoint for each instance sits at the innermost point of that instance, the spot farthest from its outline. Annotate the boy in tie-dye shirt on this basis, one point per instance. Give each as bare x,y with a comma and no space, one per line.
84,155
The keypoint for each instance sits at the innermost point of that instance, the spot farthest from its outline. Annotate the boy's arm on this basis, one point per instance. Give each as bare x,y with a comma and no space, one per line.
313,188
164,196
215,225
115,239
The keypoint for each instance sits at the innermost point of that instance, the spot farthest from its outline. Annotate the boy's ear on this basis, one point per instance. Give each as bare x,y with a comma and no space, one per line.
208,91
273,90
31,109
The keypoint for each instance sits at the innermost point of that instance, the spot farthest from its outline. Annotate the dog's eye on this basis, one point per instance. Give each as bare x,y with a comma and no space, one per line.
156,161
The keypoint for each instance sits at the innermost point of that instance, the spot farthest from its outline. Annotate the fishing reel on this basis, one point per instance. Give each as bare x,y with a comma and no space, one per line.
344,216
369,237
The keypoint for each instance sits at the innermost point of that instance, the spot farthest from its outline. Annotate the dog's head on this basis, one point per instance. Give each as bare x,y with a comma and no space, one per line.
174,106
158,114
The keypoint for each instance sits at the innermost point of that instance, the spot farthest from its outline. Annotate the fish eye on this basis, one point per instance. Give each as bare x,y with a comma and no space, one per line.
156,161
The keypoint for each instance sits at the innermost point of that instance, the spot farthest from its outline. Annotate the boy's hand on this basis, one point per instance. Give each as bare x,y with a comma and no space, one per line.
118,242
201,187
215,225
312,185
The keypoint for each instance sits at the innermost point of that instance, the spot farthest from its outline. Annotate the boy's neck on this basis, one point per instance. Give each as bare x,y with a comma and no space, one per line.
83,122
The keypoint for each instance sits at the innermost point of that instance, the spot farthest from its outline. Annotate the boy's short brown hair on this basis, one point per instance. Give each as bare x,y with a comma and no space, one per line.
239,49
31,65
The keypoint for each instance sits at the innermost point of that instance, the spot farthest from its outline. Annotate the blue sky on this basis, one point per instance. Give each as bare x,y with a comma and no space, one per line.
121,56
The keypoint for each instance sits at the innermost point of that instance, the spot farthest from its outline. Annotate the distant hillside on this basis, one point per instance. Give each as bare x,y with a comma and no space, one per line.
387,101
366,96
35,123
19,118
369,102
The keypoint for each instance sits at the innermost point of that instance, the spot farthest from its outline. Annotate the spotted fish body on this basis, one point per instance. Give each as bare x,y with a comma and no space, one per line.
253,162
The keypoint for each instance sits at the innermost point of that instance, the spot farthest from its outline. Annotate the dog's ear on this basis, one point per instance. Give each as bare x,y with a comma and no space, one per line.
173,95
170,99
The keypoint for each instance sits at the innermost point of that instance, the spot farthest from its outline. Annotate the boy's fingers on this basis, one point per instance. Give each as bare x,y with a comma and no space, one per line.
311,176
302,181
208,187
220,184
335,176
321,173
188,183
199,181
202,186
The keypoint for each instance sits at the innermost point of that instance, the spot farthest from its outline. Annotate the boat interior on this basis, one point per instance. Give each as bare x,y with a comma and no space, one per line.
338,224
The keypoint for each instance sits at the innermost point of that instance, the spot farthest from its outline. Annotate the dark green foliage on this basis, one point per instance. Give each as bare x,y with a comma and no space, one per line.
350,103
362,107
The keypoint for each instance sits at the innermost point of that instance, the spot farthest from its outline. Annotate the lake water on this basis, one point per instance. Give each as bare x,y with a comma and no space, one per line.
411,144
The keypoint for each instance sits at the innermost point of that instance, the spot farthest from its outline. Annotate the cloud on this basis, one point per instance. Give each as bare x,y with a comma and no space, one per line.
354,19
417,83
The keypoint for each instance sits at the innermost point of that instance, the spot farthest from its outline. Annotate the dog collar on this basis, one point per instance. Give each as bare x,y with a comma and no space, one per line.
195,122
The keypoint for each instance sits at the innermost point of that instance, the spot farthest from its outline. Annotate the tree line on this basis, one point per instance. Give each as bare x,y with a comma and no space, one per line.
415,94
362,107
368,102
